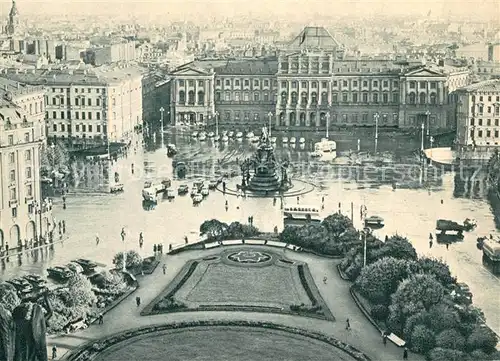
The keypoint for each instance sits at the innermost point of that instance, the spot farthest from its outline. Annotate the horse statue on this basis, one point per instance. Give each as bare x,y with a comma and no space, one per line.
23,332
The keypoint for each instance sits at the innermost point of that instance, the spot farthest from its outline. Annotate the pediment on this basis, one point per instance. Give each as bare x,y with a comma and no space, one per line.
190,71
423,72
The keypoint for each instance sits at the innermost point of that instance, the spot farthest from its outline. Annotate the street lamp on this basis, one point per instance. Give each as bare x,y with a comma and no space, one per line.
427,114
161,122
270,116
366,231
423,131
431,140
376,116
327,123
216,123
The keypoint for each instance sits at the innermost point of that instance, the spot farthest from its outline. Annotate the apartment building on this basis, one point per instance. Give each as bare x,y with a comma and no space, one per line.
85,107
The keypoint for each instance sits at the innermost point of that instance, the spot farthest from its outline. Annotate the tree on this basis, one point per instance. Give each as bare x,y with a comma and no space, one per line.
482,338
444,354
133,260
397,247
54,158
450,339
290,235
213,229
422,339
80,289
436,268
419,318
336,224
8,297
379,280
443,317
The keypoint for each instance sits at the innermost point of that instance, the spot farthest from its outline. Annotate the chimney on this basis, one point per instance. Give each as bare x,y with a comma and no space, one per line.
441,62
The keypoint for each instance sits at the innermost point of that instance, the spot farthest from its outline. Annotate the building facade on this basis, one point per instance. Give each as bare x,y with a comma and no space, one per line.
313,83
155,95
478,116
86,107
22,215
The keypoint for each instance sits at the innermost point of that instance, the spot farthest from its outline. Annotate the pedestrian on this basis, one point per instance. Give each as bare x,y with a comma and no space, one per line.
405,353
64,226
64,199
64,205
447,245
101,319
6,248
54,352
384,338
164,269
154,248
97,240
161,248
323,199
123,234
298,199
186,239
430,243
274,201
138,301
347,325
141,240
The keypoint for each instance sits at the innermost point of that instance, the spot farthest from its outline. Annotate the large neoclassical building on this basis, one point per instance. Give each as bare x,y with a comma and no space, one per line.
313,81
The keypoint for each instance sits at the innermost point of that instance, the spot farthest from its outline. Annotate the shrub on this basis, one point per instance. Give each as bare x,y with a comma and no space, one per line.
443,354
397,247
8,297
169,304
436,268
57,322
482,338
379,312
450,339
133,260
420,318
422,339
443,317
80,289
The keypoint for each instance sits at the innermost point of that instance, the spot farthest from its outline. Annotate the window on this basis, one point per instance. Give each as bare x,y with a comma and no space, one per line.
422,85
480,122
354,83
98,128
266,97
28,173
375,84
334,83
63,128
355,98
62,101
256,83
294,84
344,97
365,83
365,97
488,133
236,82
496,133
324,84
237,96
191,82
98,102
412,85
54,127
200,82
89,101
395,97
53,101
77,127
386,83
98,115
364,117
335,98
480,134
12,176
217,82
314,84
26,137
77,101
472,122
247,82
29,190
84,128
54,115
283,84
90,128
83,115
77,115
488,122
13,194
227,96
89,115
375,98
256,97
344,83
11,139
27,154
228,82
385,98
433,85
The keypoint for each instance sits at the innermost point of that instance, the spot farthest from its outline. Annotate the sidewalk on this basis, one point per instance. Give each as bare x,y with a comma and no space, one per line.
126,315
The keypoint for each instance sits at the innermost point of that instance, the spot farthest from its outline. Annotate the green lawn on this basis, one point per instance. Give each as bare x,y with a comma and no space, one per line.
223,344
219,283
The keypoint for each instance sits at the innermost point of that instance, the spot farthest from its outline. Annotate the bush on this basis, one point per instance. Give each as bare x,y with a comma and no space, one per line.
436,268
380,312
397,247
168,304
133,260
482,338
420,318
443,317
80,289
8,297
443,354
57,322
450,339
422,339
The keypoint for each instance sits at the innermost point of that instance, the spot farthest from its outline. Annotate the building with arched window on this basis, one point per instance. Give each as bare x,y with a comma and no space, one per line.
313,77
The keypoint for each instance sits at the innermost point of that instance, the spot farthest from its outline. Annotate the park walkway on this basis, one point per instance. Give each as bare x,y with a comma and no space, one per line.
335,293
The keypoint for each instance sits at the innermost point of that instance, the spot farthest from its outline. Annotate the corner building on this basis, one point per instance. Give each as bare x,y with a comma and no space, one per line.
314,77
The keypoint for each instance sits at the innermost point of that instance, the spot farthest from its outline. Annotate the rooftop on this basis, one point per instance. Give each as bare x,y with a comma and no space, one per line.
267,66
315,37
492,85
15,88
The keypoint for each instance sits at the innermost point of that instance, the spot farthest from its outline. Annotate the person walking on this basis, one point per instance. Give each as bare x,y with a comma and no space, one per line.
405,353
97,240
141,240
154,249
347,325
101,319
384,338
123,234
138,301
164,269
64,226
54,352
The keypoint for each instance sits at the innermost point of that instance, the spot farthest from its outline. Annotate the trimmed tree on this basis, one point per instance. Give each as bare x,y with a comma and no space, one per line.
422,339
450,339
482,338
133,260
436,268
214,229
397,247
8,297
444,354
443,317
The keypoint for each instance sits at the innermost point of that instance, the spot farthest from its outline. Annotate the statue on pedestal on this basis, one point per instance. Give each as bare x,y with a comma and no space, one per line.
23,332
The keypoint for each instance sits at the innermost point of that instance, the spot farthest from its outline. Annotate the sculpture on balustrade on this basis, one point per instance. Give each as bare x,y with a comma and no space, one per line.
23,332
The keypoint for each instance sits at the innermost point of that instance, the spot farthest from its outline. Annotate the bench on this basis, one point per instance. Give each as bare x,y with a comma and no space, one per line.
396,340
212,245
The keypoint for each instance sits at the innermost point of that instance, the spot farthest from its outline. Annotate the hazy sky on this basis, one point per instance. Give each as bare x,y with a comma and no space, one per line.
489,9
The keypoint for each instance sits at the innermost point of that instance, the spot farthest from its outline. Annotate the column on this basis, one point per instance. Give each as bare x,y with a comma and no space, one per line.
208,93
440,93
287,118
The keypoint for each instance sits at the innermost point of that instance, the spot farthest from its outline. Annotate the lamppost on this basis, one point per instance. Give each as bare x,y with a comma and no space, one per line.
376,116
161,122
216,123
270,116
327,123
38,208
423,131
366,231
427,114
431,140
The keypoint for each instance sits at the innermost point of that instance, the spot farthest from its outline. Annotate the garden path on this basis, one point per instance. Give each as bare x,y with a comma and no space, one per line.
363,335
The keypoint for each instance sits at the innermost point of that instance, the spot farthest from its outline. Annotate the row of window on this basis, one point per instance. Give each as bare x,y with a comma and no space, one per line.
10,138
480,122
84,115
38,107
13,195
82,90
27,172
80,127
489,109
12,156
79,101
481,98
488,133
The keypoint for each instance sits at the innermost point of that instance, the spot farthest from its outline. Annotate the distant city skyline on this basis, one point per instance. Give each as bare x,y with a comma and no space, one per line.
294,9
